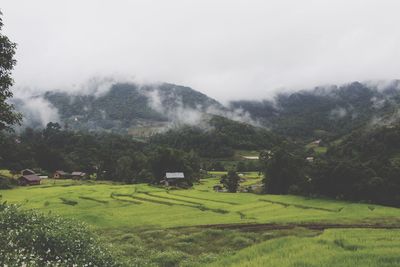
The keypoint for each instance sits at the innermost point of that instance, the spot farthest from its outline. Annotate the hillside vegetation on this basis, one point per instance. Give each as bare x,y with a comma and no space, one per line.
220,138
324,112
123,106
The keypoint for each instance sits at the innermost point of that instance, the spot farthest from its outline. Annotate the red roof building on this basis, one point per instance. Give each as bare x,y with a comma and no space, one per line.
30,179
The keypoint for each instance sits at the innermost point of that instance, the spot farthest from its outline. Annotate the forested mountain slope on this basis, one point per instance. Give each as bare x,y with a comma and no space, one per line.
325,112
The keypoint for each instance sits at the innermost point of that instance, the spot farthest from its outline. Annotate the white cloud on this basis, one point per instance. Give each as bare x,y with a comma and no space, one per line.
226,49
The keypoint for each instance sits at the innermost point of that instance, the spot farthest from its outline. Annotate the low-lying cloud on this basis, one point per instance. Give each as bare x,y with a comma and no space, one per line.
37,111
226,49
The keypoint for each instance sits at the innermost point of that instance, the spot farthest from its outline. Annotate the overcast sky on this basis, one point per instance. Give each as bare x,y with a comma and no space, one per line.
227,49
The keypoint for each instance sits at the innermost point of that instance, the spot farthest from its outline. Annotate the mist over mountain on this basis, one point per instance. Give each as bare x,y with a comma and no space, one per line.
326,112
145,109
118,108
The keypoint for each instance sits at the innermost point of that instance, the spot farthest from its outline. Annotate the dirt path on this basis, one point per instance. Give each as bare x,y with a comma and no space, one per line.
311,226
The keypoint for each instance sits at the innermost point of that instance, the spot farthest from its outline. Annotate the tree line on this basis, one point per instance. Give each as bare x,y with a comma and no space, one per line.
105,156
364,166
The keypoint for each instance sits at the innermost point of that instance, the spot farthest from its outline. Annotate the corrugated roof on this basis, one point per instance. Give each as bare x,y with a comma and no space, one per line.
31,177
174,175
78,173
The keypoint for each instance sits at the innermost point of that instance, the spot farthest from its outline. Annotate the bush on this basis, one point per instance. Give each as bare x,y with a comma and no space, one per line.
7,183
28,238
169,258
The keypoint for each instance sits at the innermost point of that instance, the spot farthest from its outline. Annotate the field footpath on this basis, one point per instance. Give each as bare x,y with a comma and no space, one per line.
310,226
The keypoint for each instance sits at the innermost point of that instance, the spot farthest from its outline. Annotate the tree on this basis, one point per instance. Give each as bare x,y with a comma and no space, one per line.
282,169
8,116
241,167
124,170
231,181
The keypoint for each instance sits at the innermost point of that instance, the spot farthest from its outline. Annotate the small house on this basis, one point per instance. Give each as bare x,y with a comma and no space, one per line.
61,175
174,178
29,179
78,175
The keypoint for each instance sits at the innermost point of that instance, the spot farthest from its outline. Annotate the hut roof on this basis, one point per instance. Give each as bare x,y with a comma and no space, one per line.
31,177
78,174
174,175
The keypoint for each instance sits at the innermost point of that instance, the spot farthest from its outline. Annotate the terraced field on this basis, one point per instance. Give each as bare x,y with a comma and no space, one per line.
106,205
152,226
344,248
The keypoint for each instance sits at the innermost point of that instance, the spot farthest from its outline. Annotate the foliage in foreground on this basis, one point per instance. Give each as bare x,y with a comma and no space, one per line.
7,62
29,238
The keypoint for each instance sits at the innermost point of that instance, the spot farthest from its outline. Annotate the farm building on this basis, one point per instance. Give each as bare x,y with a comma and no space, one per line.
78,175
61,175
174,178
29,179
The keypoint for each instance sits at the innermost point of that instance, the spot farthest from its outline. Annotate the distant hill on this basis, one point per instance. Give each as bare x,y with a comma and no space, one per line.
127,106
324,112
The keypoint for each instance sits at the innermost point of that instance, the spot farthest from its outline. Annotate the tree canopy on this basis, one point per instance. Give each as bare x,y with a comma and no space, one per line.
8,116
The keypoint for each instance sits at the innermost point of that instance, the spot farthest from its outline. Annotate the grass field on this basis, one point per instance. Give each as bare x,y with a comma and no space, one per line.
137,218
107,205
345,248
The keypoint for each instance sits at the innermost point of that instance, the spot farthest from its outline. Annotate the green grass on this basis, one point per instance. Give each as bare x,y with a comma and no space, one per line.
320,149
111,205
150,226
341,248
184,246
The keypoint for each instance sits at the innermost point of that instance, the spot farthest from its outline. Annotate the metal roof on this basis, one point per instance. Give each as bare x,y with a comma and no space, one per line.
174,175
31,177
78,174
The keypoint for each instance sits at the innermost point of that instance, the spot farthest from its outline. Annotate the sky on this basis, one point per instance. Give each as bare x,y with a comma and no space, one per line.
227,49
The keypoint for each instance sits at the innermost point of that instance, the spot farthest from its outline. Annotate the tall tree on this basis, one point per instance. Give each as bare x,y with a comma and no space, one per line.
8,116
282,169
231,181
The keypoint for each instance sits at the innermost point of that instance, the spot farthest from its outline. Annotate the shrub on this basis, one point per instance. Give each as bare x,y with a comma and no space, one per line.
28,238
169,258
7,183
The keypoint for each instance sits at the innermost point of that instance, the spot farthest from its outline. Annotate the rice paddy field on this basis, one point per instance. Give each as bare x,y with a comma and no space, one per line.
152,226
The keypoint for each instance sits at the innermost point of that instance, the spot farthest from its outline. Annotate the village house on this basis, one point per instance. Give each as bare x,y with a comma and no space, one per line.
61,175
28,177
173,178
